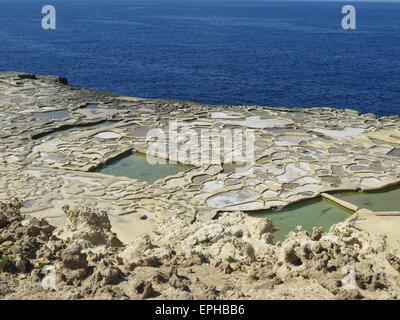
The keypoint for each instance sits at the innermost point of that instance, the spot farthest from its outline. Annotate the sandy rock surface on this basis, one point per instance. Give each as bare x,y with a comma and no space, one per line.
53,136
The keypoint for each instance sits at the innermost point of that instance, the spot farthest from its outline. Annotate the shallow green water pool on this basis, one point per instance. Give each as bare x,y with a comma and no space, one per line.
309,214
383,200
136,166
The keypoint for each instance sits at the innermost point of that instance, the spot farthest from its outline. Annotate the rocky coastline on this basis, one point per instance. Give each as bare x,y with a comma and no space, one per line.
186,236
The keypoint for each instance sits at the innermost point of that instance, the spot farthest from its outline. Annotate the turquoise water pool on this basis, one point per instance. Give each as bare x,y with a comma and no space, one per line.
382,200
311,213
136,166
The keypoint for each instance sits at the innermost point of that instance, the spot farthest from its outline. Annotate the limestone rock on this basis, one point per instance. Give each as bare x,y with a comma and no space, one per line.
106,273
394,261
144,289
91,225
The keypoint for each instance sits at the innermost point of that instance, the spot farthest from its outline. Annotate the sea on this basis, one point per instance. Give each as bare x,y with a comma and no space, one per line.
229,52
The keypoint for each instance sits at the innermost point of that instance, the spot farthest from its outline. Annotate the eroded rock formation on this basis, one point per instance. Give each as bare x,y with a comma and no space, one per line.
231,257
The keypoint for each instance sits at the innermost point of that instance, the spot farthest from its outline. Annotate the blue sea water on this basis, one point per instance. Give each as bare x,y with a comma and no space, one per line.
271,53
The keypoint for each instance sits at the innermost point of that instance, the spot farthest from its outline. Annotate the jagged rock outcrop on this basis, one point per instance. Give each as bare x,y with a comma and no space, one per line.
231,257
91,225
